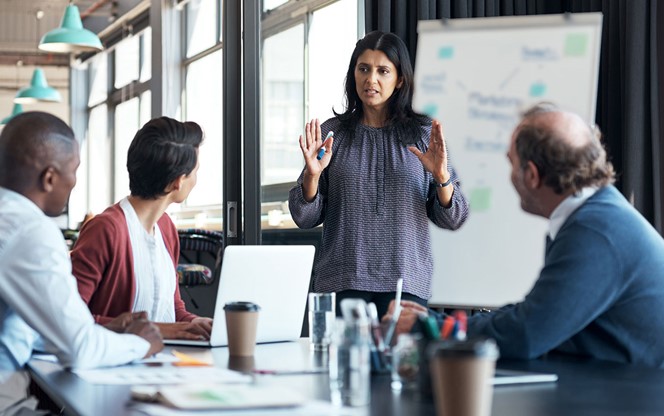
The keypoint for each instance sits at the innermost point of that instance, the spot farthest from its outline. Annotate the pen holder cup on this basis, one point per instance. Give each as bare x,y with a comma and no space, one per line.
405,362
381,354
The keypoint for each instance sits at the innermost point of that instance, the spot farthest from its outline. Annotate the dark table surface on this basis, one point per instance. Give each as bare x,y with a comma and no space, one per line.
584,387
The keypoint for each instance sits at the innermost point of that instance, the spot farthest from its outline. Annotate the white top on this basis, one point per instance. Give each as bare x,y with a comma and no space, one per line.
566,208
39,295
153,274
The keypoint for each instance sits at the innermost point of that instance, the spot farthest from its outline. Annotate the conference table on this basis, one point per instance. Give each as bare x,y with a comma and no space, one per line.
584,387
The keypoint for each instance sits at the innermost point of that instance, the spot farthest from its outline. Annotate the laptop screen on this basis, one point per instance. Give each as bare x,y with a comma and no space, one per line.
274,277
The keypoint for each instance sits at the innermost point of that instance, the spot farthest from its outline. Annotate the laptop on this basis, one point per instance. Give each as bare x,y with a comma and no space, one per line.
272,276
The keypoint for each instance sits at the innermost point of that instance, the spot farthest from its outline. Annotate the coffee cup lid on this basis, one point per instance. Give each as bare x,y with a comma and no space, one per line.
482,348
242,306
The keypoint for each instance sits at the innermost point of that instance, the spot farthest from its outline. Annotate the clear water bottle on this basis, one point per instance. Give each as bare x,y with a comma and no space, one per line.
350,365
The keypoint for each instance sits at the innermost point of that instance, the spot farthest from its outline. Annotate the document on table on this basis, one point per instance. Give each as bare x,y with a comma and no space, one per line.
138,374
220,396
159,358
312,407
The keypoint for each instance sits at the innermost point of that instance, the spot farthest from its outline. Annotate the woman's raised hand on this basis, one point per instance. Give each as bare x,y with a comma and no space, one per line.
435,158
311,144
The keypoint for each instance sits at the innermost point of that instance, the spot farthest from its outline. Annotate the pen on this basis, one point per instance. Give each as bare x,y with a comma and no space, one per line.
397,298
395,315
290,372
321,152
462,320
446,329
429,327
455,330
187,360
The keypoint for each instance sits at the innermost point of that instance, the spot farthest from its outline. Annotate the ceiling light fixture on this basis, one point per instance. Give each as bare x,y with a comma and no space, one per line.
37,91
18,109
70,36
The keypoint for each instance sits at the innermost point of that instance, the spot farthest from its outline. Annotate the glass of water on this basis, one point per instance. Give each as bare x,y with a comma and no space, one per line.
321,319
350,367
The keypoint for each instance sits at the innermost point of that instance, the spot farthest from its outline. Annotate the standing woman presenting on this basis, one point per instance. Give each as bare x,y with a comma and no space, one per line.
381,177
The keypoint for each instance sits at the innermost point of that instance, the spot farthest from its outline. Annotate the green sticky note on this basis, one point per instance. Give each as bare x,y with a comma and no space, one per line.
446,52
211,396
480,199
537,90
576,44
431,110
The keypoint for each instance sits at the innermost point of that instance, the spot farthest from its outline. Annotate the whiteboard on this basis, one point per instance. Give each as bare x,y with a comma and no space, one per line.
476,76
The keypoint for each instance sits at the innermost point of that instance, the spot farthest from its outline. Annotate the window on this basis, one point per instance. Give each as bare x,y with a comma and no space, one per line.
98,76
202,30
127,61
126,125
202,103
77,206
146,55
305,59
272,4
329,57
99,142
204,106
283,106
118,104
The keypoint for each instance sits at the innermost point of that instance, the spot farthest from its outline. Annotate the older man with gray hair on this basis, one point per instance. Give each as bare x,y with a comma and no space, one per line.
600,292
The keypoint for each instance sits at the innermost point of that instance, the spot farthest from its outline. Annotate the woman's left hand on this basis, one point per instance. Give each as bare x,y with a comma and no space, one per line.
198,329
204,323
435,158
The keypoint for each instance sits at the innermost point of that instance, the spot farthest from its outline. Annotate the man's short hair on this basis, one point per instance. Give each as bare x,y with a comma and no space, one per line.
30,142
162,150
562,165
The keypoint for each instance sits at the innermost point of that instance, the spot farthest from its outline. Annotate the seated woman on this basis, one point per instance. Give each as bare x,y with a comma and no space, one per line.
125,258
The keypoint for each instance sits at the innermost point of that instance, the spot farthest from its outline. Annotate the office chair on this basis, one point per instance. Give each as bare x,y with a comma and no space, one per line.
201,253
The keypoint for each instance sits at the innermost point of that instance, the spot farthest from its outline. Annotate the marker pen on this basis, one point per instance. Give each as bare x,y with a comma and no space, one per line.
321,152
395,314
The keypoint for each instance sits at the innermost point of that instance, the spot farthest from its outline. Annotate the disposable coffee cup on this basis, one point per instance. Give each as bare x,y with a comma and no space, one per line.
241,323
461,373
241,364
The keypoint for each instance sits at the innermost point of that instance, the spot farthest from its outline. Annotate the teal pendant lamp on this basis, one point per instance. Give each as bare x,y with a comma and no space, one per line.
18,109
37,91
70,36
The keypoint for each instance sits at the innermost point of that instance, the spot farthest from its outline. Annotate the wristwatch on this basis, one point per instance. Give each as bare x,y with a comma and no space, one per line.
444,184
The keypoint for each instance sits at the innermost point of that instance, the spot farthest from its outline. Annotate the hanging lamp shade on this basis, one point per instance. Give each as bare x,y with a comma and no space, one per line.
37,91
18,109
70,36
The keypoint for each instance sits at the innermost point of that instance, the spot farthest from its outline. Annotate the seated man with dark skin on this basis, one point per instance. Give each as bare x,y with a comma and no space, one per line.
600,292
39,301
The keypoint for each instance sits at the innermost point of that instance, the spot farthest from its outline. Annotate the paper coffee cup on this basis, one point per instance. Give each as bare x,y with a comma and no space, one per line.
241,323
461,373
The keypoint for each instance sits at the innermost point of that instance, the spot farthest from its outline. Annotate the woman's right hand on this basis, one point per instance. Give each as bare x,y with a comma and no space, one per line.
182,330
310,145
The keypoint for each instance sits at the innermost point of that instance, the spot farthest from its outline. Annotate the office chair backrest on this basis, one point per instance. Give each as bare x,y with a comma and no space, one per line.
201,253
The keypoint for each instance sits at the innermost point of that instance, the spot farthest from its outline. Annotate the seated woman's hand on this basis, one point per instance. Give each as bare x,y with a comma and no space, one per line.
183,330
204,323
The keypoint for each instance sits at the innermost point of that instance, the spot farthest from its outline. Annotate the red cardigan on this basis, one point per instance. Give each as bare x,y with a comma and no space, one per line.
103,264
